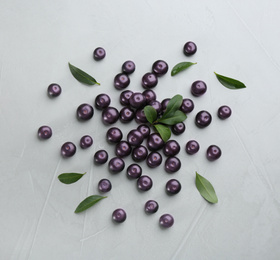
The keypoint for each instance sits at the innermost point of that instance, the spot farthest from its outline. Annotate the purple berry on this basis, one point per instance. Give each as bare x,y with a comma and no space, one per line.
173,187
99,54
121,81
44,132
110,115
135,137
123,149
86,141
134,171
68,149
164,104
139,153
187,105
144,129
160,68
154,159
149,80
137,100
102,101
149,95
203,119
128,67
224,112
178,128
114,135
198,88
119,216
190,48
144,183
172,164
125,96
100,157
213,153
85,112
156,105
54,90
116,165
151,206
192,147
126,115
166,221
140,117
104,185
171,148
154,142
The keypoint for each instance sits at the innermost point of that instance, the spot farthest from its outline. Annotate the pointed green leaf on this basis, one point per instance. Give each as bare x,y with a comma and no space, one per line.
173,105
150,113
229,82
206,189
177,117
88,202
164,131
180,67
68,178
82,76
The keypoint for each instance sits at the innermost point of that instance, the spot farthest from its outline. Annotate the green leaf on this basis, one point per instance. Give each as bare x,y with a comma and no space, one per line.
172,106
229,82
68,178
88,202
206,189
177,117
164,131
180,67
82,76
150,113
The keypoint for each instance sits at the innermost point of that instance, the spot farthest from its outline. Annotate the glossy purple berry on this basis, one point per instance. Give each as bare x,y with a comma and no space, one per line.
119,216
116,165
102,101
171,148
156,105
85,112
140,117
110,115
178,128
121,81
198,88
86,141
123,149
104,185
100,157
203,119
154,159
151,206
154,142
44,132
134,171
149,80
144,129
68,149
164,104
125,96
187,106
114,135
172,164
190,48
135,137
99,54
192,147
54,90
128,67
166,221
160,68
224,112
126,115
173,187
213,153
137,100
139,153
149,95
144,183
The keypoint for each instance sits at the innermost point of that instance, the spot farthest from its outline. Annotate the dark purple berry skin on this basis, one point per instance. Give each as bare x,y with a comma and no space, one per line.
102,101
137,100
135,137
156,105
86,141
190,48
160,68
134,171
213,153
110,115
54,90
154,142
126,115
166,221
123,149
151,206
172,164
192,147
171,148
164,104
203,119
125,96
173,187
104,185
198,88
178,128
116,165
85,112
154,159
114,135
144,183
68,149
149,80
100,157
224,112
187,106
140,117
128,67
139,153
44,132
121,81
144,129
149,95
99,54
119,216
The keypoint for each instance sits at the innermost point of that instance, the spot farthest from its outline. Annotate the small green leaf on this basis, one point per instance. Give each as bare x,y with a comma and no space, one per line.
150,113
206,189
177,117
172,106
164,131
180,67
68,178
229,82
82,76
88,202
